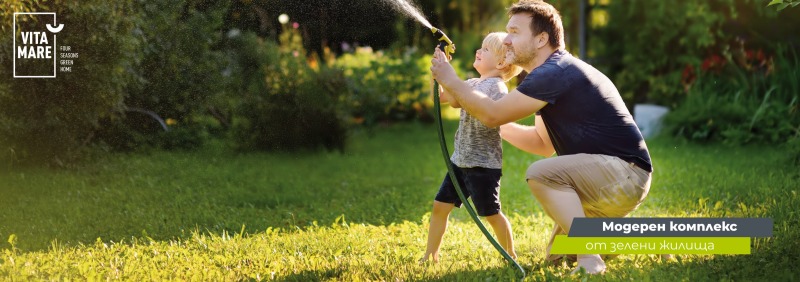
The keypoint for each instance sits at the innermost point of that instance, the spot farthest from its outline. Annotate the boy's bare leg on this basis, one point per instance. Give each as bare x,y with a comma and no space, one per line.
502,229
438,224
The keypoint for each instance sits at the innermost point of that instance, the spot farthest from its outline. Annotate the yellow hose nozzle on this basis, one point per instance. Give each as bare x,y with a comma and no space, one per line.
444,42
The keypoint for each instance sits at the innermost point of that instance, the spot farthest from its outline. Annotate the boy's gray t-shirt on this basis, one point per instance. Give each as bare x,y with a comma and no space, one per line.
475,144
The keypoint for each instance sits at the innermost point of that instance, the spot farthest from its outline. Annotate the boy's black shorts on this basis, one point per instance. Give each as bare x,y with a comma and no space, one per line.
482,184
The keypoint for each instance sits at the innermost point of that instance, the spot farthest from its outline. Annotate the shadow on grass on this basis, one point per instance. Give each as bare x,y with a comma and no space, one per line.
491,274
315,275
388,178
778,260
775,262
339,273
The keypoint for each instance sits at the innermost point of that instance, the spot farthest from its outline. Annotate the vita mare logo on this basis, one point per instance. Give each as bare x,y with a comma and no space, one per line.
34,46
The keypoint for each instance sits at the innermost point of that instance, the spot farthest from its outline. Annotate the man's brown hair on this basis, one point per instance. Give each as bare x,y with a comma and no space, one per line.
544,18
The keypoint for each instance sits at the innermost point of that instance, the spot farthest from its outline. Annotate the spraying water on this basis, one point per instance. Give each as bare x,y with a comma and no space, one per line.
406,7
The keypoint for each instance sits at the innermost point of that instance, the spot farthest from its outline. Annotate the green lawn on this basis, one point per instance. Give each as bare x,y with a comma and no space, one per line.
362,215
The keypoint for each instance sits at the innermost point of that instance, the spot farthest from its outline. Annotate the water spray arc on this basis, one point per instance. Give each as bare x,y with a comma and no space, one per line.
446,45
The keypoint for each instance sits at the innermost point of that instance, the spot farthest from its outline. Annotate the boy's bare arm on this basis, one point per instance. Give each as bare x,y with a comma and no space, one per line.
511,107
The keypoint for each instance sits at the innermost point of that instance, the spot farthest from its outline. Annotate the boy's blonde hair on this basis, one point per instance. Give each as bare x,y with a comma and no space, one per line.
494,42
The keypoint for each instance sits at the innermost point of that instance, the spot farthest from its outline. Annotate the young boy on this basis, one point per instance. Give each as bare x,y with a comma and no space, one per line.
478,154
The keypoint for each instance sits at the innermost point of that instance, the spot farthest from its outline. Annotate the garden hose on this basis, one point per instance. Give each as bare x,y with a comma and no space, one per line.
447,47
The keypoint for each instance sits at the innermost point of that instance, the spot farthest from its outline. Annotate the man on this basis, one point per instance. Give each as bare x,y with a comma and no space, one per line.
603,167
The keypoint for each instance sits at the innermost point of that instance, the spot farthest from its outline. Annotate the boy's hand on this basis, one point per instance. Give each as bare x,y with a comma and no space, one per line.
441,69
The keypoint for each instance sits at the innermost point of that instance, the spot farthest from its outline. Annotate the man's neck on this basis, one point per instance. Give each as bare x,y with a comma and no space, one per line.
541,57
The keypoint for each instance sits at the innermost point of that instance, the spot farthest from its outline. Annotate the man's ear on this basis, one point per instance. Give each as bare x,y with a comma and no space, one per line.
542,39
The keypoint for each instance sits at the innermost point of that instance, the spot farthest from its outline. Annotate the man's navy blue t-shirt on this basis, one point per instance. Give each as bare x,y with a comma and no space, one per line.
584,111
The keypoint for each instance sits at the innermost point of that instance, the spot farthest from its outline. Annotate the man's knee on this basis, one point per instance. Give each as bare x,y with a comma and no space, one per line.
548,174
536,171
542,172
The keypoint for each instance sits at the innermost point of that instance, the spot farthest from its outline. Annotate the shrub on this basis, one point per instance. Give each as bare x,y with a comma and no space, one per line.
387,88
284,105
742,101
179,73
50,120
646,44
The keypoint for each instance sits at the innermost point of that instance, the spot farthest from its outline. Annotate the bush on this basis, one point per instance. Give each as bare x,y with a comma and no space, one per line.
50,120
387,88
646,44
284,104
179,74
753,99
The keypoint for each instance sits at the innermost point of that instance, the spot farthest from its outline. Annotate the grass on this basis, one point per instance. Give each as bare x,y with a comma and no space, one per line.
362,215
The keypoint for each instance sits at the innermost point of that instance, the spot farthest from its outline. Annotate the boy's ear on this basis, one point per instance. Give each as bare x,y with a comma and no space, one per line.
502,65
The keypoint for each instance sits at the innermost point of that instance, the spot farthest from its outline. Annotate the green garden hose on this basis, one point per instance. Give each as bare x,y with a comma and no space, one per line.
445,47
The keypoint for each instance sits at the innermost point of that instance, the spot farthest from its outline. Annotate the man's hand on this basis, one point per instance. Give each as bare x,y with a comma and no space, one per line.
441,69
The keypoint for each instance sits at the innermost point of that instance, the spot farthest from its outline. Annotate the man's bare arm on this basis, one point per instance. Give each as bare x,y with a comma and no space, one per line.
531,139
511,107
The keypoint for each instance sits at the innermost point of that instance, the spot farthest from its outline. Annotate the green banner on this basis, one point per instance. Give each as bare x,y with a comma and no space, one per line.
651,245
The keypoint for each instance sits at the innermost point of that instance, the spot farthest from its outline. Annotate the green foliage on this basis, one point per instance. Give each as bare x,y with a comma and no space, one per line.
283,104
386,87
793,148
714,62
662,38
646,44
179,73
183,136
783,4
289,101
742,103
49,120
216,215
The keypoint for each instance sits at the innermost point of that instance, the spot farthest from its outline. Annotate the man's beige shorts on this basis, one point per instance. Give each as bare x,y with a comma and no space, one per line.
607,186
